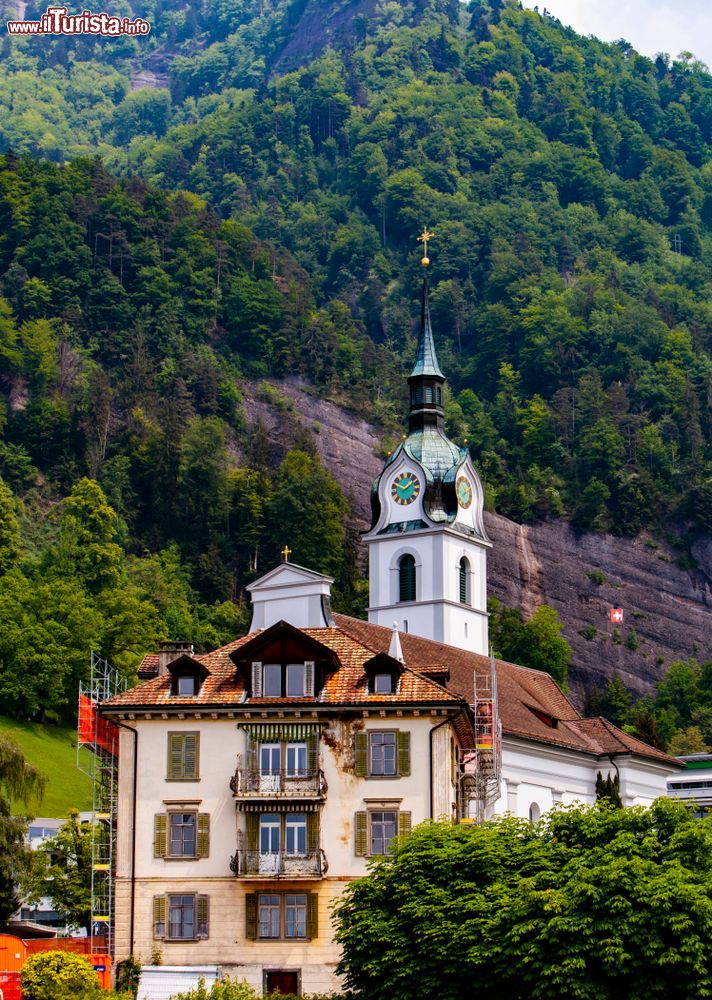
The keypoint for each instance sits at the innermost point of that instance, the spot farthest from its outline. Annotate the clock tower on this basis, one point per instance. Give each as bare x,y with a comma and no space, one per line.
427,543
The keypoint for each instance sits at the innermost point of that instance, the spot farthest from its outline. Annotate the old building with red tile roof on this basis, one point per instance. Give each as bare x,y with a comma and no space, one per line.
256,780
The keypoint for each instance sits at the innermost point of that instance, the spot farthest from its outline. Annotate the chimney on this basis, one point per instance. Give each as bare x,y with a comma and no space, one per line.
170,651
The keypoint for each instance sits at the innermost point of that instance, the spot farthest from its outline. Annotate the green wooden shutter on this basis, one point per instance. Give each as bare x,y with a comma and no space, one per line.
251,916
403,824
252,823
252,752
312,832
312,915
406,579
202,922
203,835
256,680
175,755
313,753
361,754
361,828
403,744
160,835
309,678
159,918
191,747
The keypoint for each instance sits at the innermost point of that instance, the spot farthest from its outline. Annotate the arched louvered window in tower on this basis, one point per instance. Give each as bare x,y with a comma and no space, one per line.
464,581
406,579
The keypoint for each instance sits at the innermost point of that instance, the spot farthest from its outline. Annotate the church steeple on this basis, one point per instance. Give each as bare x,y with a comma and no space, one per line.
427,544
426,381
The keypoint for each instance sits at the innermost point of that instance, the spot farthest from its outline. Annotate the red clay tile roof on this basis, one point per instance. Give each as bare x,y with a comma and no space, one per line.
148,666
347,685
531,705
530,701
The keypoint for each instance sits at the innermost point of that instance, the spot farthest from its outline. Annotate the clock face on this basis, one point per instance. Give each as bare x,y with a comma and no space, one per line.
464,492
405,488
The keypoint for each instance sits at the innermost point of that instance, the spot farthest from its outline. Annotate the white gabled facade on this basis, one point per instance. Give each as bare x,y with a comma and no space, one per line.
253,812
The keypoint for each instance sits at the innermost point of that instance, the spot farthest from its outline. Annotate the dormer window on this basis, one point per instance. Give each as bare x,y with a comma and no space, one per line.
187,685
382,672
382,684
296,680
283,680
283,662
272,680
187,675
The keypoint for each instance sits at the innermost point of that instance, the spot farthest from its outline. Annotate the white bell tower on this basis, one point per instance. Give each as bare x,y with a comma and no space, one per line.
427,545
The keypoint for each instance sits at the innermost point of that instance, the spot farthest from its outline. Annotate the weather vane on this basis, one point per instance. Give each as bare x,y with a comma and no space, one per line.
426,235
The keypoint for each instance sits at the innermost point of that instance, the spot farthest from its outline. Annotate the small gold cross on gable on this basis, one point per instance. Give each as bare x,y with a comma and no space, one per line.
286,553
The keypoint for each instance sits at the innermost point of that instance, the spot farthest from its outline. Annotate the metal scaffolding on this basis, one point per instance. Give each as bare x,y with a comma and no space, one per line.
481,781
99,739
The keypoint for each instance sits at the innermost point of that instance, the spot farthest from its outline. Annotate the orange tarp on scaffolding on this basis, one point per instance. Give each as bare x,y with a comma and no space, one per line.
94,730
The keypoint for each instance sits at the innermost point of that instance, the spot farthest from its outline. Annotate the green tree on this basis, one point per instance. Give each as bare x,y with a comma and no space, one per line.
87,547
62,869
597,903
9,530
307,512
18,781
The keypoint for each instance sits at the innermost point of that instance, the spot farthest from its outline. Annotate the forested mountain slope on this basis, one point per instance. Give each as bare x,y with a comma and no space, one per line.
264,224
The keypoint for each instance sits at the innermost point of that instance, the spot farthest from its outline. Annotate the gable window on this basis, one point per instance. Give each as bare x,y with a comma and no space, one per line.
464,581
376,829
183,756
382,684
274,915
296,680
283,680
406,578
183,917
272,680
381,754
186,685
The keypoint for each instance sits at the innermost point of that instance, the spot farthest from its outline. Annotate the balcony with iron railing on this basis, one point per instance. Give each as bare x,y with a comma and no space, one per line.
254,864
253,783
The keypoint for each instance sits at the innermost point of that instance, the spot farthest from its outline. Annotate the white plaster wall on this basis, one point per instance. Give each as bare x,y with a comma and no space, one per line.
437,612
534,772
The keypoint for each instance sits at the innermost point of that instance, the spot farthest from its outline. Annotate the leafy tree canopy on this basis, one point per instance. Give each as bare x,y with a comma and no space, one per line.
596,903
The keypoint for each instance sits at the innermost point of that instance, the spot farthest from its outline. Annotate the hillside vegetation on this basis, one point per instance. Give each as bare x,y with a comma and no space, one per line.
257,217
53,750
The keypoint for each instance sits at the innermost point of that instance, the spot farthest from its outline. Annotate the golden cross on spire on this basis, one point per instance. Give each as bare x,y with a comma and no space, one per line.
423,238
286,553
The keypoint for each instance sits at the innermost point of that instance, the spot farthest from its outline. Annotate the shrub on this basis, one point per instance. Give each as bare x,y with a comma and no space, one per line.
128,976
231,989
59,975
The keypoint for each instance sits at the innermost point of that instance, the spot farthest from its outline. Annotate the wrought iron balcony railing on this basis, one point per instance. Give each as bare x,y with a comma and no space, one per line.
283,784
253,863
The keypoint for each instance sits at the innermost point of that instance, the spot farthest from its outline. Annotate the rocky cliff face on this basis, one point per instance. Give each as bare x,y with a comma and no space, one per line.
667,609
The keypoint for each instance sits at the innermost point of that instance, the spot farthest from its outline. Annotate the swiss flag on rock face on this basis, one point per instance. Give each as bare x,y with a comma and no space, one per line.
616,614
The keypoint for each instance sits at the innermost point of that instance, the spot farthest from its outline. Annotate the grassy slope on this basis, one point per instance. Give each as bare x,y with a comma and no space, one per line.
52,749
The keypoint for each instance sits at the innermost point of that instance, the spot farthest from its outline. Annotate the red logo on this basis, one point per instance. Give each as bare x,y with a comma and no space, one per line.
616,614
